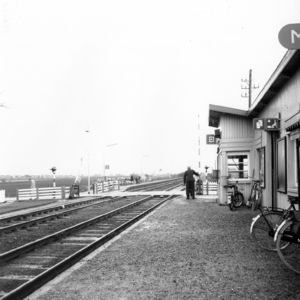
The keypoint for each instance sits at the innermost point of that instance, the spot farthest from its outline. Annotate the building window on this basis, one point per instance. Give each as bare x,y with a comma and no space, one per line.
262,158
238,165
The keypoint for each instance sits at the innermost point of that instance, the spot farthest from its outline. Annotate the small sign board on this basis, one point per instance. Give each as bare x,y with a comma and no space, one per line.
106,167
211,139
271,124
258,124
289,36
268,124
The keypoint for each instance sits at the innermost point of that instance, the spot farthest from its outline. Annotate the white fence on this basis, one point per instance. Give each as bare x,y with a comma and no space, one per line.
43,193
210,188
106,186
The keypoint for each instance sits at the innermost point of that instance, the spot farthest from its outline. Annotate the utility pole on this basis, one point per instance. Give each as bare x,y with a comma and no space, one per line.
249,88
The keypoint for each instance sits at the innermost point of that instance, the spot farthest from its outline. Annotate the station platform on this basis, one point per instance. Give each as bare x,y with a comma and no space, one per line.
186,249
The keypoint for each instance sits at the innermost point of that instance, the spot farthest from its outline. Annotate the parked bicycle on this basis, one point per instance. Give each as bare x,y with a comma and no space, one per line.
254,200
237,198
287,238
199,187
278,230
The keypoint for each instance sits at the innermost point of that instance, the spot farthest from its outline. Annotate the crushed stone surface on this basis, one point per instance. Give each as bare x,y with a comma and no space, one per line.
187,249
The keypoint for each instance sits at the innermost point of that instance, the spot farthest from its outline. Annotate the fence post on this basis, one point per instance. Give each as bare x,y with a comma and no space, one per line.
37,194
207,192
118,185
17,194
102,186
63,193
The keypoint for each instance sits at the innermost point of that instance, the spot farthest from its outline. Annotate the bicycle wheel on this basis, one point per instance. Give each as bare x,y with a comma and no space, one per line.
289,254
249,202
231,203
238,199
263,230
258,198
254,201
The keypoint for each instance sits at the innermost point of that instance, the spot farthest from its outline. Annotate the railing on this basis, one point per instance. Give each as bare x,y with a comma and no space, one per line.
210,188
105,186
43,193
126,182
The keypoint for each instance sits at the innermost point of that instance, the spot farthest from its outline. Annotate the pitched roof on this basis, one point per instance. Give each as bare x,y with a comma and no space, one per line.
284,71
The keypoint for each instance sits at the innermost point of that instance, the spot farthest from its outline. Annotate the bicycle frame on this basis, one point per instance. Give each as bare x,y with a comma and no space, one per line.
283,220
279,228
264,210
287,218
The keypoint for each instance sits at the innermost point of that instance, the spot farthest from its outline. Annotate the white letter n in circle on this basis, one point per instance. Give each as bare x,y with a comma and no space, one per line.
294,33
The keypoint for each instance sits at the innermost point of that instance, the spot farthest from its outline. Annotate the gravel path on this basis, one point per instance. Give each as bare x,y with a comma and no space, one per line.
185,250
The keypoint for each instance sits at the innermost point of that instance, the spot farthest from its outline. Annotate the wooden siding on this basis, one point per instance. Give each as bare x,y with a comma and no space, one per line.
236,127
286,102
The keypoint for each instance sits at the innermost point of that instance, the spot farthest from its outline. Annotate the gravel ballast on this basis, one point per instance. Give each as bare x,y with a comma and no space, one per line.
187,249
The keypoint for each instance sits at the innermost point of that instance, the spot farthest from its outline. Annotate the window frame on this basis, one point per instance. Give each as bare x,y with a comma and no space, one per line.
262,166
246,153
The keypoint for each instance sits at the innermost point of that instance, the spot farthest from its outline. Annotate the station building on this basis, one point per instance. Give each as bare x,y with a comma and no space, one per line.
263,141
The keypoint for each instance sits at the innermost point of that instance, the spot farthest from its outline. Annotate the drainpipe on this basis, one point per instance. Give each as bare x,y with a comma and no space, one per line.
273,170
298,172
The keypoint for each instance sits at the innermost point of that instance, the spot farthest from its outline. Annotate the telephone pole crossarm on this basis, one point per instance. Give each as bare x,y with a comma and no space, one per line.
249,88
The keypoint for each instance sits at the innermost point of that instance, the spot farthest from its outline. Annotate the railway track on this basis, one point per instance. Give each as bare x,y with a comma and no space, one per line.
40,216
32,218
27,267
169,185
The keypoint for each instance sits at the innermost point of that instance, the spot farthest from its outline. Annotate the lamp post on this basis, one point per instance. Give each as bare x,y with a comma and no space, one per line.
89,180
53,169
104,158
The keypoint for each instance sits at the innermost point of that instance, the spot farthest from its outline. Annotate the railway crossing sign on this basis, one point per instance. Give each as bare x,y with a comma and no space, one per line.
211,139
289,36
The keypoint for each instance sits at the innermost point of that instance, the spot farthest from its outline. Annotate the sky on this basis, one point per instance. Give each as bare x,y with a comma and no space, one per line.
127,83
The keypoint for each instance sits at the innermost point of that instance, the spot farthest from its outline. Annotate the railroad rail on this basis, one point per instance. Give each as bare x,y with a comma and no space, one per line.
39,211
28,267
35,219
40,216
166,185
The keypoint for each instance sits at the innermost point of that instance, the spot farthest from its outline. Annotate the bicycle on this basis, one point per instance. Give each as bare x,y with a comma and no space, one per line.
199,187
287,238
265,225
236,198
254,200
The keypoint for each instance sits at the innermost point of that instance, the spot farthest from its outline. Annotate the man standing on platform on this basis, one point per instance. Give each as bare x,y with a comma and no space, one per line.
189,182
